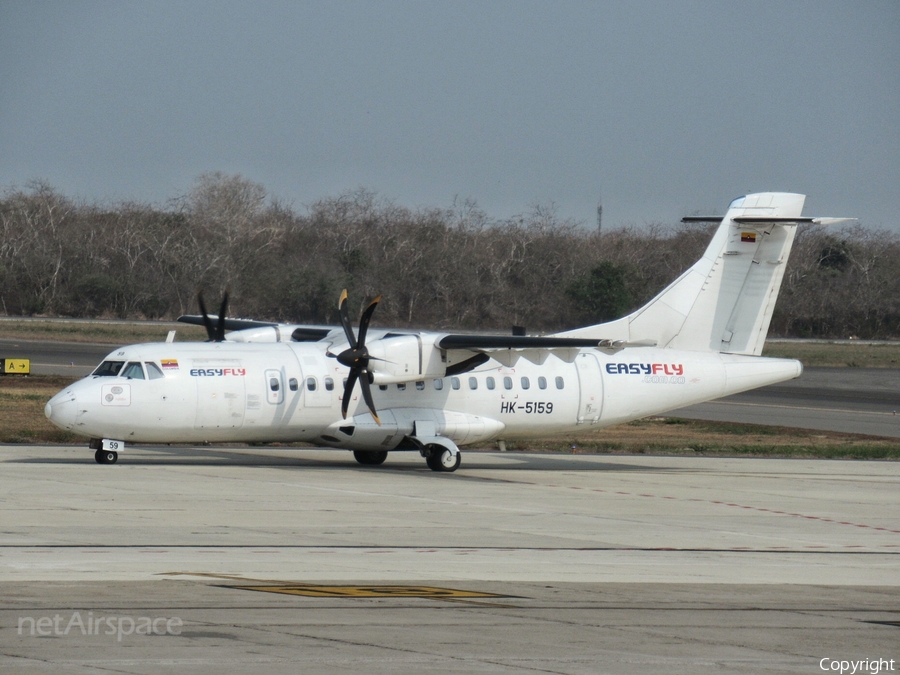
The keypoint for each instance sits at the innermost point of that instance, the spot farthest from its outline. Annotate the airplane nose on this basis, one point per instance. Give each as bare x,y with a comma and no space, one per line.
61,409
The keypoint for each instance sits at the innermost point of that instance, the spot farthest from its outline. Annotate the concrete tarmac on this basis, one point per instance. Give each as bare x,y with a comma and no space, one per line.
851,400
75,359
290,561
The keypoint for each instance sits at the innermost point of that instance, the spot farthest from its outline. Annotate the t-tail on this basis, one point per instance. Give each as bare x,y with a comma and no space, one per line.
724,302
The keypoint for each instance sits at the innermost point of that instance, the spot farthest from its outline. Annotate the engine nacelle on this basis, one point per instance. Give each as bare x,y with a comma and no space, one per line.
405,358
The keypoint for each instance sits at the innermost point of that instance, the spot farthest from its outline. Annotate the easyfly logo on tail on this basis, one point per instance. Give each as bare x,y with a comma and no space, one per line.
645,369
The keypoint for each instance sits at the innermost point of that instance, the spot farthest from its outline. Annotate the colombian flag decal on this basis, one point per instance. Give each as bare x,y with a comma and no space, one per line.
169,364
748,237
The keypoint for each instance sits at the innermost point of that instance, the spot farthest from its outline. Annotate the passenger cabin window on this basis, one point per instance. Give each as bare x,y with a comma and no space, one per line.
542,382
526,383
560,383
293,384
420,386
438,384
383,387
329,384
507,383
108,369
154,372
133,371
311,383
401,387
490,383
473,383
454,382
274,384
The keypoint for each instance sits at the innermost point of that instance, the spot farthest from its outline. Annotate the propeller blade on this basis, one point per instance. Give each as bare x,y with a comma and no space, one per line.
367,395
345,320
366,317
348,391
207,322
220,326
356,356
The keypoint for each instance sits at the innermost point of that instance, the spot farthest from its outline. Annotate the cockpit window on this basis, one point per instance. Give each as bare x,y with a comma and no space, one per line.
133,371
108,369
153,371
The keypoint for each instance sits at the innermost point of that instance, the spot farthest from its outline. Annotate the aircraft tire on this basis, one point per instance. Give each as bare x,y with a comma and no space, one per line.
443,460
106,457
370,457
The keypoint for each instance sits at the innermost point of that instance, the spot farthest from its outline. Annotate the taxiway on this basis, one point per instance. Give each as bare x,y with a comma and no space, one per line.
303,561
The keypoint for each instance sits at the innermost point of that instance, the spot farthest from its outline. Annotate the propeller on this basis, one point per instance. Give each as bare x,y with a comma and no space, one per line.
216,333
356,358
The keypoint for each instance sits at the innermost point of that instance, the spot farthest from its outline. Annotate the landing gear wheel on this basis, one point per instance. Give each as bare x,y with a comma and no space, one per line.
106,457
442,459
370,457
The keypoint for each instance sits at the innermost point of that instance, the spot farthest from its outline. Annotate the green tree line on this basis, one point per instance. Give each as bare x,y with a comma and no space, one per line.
436,268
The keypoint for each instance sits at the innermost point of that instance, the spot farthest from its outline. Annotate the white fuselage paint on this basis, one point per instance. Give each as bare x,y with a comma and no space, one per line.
213,392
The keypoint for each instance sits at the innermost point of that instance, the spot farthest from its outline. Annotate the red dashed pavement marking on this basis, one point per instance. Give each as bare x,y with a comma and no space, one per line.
744,506
721,503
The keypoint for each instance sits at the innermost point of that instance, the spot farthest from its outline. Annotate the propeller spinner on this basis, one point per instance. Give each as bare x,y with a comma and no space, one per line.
357,358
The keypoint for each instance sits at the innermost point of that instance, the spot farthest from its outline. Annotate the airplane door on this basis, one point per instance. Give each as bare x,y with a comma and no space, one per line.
220,393
274,387
590,388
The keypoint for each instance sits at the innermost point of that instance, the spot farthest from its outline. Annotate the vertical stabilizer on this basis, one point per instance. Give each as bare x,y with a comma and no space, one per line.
724,302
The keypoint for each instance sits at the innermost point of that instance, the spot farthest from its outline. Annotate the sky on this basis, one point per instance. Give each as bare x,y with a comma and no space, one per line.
658,109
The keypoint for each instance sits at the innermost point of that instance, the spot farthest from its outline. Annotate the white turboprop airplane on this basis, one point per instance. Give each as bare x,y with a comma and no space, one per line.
698,340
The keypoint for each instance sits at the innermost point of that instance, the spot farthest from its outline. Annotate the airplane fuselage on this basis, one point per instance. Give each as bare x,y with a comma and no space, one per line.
202,392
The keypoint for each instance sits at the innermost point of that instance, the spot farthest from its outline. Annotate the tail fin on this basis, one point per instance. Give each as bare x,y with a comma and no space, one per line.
724,302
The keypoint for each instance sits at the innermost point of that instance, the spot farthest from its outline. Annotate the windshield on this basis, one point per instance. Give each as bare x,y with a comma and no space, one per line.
133,371
108,369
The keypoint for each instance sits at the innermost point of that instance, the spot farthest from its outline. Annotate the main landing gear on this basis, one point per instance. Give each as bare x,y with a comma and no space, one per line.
439,458
106,456
370,457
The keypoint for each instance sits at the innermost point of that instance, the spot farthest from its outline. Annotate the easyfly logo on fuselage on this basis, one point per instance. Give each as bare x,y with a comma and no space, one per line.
218,372
645,369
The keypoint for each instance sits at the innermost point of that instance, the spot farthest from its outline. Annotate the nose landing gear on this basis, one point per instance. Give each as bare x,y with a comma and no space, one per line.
106,456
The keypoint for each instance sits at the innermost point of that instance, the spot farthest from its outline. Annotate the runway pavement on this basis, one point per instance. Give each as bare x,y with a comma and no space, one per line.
303,561
76,359
851,400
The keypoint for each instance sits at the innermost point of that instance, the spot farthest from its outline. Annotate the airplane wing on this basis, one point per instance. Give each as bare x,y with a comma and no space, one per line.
250,330
230,324
507,349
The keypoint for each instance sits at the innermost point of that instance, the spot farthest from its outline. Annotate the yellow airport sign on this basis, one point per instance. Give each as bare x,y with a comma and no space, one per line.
16,366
